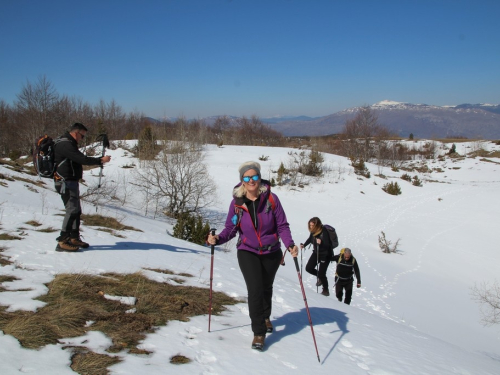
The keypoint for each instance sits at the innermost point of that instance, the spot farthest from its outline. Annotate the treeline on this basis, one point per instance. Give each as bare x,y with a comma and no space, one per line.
364,139
39,109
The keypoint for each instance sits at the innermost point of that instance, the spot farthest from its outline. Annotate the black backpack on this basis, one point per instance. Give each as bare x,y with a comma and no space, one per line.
334,240
43,156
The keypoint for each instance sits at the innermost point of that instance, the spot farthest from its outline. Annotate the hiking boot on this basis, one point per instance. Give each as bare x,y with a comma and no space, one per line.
325,292
66,246
269,326
78,242
318,283
258,342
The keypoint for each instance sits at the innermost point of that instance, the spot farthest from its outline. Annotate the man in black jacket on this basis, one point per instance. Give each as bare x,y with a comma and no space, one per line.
69,161
346,268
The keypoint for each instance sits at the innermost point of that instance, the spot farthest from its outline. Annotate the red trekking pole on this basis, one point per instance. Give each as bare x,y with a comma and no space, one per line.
307,307
211,279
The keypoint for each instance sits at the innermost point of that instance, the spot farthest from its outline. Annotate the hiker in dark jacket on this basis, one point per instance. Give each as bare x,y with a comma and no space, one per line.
69,161
346,268
322,253
257,216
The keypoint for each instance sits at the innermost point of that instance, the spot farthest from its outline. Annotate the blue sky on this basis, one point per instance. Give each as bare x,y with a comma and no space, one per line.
198,58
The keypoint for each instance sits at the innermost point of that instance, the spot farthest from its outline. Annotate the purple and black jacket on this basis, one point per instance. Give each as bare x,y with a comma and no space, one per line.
272,224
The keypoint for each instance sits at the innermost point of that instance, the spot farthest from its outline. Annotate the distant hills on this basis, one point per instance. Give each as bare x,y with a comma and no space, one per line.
421,120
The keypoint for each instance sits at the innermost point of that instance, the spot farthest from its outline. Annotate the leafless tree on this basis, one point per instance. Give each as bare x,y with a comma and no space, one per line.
34,106
110,118
5,135
221,129
178,179
362,134
488,297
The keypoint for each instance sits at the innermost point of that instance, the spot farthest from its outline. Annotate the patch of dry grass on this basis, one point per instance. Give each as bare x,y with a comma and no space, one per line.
8,237
489,161
106,222
34,223
494,154
168,272
179,359
6,279
3,260
5,177
73,300
481,153
30,181
47,230
86,362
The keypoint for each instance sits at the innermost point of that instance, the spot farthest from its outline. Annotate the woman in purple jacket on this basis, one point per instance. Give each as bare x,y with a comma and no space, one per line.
257,216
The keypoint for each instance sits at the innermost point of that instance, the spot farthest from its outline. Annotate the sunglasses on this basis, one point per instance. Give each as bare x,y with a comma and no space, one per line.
248,178
82,135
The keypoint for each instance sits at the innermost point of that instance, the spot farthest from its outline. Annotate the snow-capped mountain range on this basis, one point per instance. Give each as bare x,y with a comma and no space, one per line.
422,120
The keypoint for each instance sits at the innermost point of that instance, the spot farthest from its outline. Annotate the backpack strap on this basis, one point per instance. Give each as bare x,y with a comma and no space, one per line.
238,210
57,176
270,201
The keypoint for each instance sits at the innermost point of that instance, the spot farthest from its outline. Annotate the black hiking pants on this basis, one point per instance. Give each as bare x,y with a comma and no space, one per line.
324,262
70,195
339,290
259,271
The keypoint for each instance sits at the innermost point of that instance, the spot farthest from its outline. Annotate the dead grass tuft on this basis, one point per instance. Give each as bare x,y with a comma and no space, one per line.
6,279
86,362
48,230
34,223
3,260
159,270
179,359
8,237
30,181
168,272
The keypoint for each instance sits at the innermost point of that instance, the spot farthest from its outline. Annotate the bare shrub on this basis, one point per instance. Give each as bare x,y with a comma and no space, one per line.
362,135
177,181
386,246
488,297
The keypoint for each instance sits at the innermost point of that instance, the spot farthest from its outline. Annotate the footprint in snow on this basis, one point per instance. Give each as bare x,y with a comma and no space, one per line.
285,363
359,356
205,357
245,332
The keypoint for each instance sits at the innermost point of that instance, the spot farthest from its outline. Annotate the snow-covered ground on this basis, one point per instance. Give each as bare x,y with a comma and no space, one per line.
412,315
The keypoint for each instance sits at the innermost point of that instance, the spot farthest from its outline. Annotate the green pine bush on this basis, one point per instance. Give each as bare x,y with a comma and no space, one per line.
406,177
190,227
392,188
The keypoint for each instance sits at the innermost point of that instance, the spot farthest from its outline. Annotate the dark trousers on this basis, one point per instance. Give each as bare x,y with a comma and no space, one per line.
70,195
324,262
339,289
259,272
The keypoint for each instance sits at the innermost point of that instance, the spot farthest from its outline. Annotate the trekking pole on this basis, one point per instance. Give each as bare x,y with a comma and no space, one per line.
212,249
307,307
301,260
317,266
105,144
